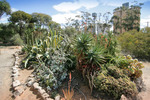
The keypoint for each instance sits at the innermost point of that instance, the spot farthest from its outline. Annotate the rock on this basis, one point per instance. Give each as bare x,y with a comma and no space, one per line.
15,75
49,99
45,95
16,54
57,97
15,71
16,83
16,63
38,88
31,75
16,66
15,78
35,85
123,97
21,87
30,83
42,91
17,57
18,92
31,79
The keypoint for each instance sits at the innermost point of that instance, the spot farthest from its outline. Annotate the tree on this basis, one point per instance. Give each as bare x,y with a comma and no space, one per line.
21,19
6,32
54,25
41,19
4,8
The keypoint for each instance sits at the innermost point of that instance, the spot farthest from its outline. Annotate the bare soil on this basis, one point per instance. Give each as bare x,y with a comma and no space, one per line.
6,63
28,94
146,78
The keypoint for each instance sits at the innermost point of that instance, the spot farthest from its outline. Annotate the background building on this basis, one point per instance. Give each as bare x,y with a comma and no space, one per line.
126,18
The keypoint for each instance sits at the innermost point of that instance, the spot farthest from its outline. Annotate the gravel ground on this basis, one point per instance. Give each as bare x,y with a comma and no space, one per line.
146,78
6,63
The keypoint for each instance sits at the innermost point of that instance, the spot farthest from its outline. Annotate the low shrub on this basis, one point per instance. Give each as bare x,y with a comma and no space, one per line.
132,67
114,83
136,43
16,40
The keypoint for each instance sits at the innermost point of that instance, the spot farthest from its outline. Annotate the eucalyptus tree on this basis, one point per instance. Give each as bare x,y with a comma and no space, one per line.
104,23
41,20
4,8
54,25
20,19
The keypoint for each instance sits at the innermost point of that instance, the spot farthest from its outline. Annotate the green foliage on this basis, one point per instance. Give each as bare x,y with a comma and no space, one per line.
16,40
4,8
108,42
70,31
114,83
20,16
134,68
41,19
52,71
136,43
6,32
50,57
21,19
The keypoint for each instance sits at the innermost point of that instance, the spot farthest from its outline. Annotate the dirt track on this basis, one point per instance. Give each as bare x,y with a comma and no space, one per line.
6,63
146,78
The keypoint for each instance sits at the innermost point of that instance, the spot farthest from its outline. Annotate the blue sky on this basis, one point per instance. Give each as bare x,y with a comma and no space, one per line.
61,9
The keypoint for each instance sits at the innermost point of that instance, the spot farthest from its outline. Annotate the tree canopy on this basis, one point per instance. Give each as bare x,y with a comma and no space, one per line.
21,19
4,8
20,16
41,19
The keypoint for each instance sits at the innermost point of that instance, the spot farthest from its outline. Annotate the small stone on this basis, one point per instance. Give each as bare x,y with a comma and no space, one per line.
16,63
20,87
42,91
16,83
16,66
15,78
38,88
16,54
45,95
15,75
17,57
30,83
30,79
18,92
49,99
123,97
31,75
35,85
15,71
57,97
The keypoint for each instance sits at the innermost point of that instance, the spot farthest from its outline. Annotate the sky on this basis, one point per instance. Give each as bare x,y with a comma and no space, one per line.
59,10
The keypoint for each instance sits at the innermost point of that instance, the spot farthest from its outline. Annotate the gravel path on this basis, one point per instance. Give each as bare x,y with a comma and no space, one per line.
6,62
146,78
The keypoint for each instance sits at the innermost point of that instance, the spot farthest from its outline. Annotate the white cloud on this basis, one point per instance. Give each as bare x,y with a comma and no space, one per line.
61,18
111,3
72,6
144,22
4,19
14,9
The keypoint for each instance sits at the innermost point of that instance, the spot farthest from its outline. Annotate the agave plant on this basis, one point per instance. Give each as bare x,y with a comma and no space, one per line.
82,45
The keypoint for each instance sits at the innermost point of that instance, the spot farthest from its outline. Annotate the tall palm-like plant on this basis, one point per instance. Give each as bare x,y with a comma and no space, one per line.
82,45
